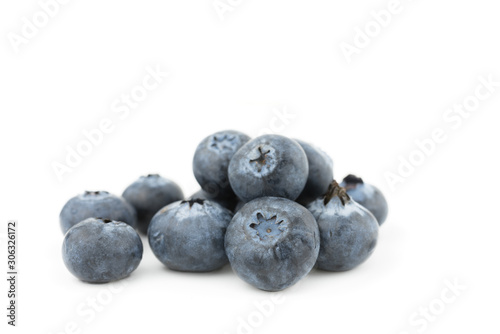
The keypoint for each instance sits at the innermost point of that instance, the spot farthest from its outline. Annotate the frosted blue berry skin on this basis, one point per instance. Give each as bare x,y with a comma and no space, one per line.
269,165
368,196
228,202
189,235
93,204
100,250
348,232
320,173
272,243
148,195
211,161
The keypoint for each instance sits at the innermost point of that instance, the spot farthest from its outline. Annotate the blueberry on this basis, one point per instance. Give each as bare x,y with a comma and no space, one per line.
96,204
148,195
100,250
211,160
272,243
320,173
228,202
189,235
348,231
269,165
368,196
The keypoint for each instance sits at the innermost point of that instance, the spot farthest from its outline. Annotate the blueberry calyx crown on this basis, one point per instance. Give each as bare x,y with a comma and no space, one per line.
94,193
193,201
222,142
353,179
104,220
267,228
261,160
153,175
334,189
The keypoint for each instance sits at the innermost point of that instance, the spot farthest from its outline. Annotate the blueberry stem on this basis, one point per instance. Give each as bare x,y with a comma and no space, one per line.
335,190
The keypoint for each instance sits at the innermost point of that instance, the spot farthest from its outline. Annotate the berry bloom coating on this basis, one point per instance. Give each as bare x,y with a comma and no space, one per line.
320,173
96,204
269,165
228,202
368,196
100,250
189,235
348,231
211,160
272,243
148,195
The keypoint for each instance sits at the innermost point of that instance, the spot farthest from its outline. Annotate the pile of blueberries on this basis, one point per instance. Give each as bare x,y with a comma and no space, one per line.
269,206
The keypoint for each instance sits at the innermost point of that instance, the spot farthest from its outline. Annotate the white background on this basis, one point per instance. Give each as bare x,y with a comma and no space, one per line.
234,74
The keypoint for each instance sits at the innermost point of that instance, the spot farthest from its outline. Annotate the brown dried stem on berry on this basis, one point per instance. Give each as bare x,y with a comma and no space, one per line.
334,189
